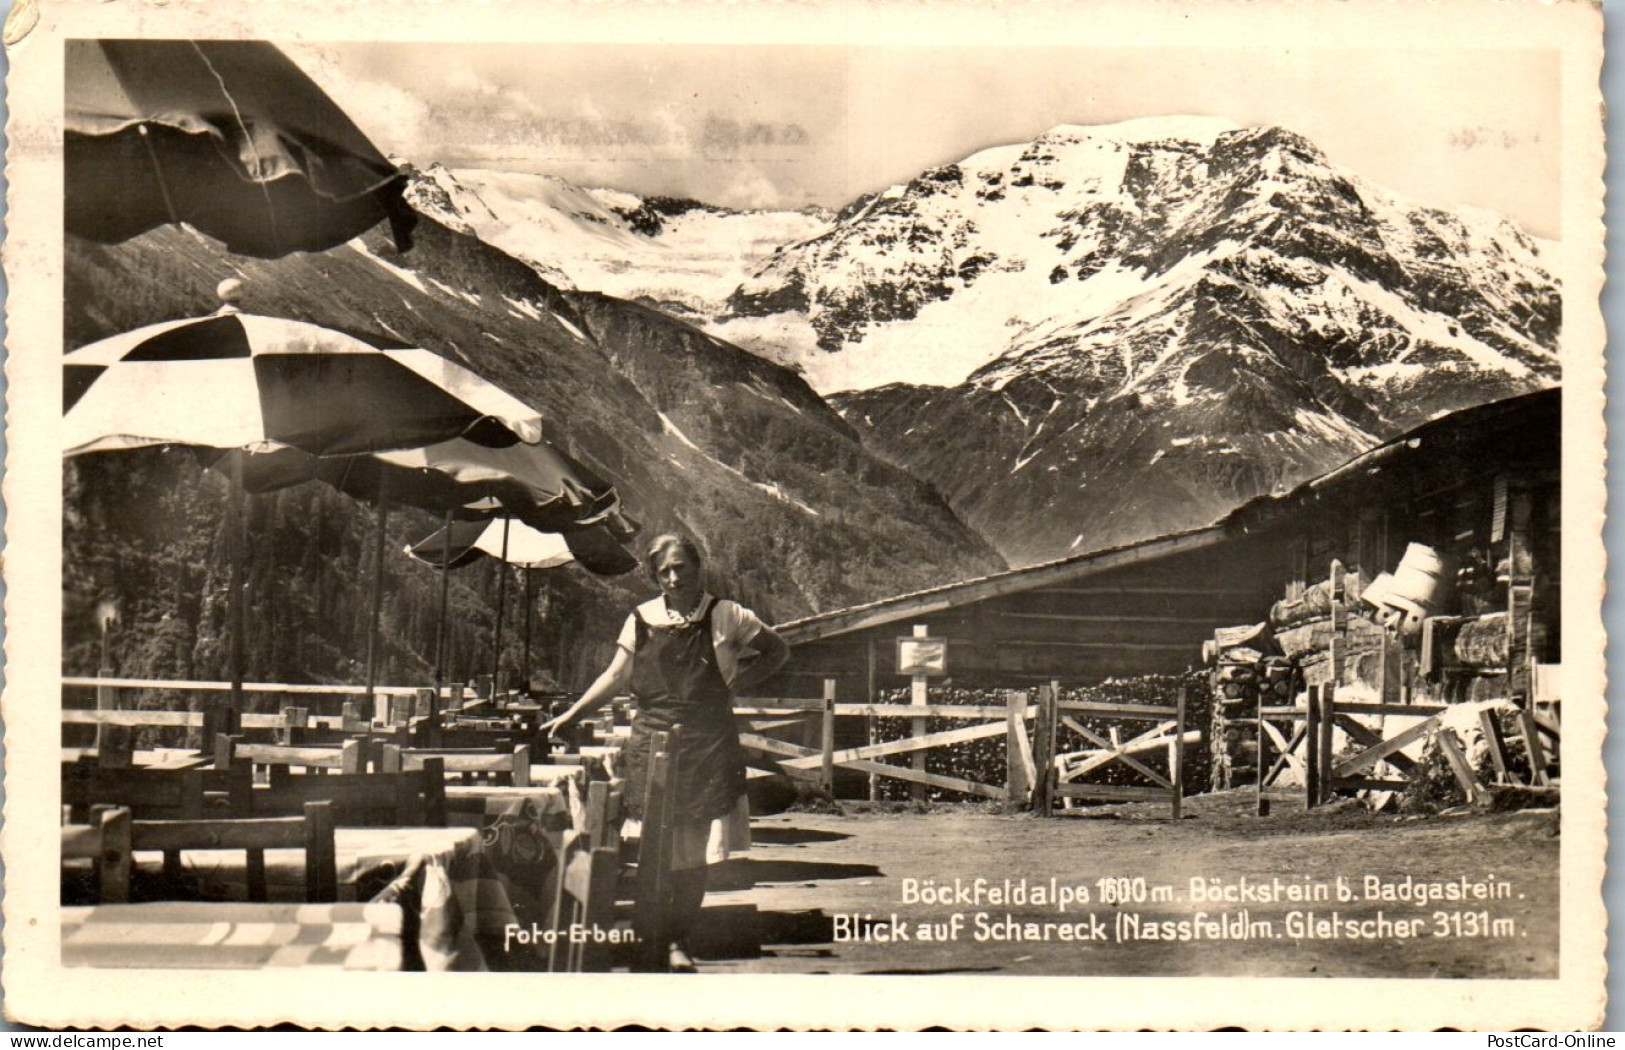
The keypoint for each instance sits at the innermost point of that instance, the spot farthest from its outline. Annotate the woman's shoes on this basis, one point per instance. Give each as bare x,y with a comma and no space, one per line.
678,960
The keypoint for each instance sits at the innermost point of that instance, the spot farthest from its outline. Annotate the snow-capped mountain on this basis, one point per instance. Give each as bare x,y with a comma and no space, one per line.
680,256
1062,247
1114,332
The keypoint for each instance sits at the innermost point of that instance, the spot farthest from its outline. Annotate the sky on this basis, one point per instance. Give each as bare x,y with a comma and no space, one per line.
750,126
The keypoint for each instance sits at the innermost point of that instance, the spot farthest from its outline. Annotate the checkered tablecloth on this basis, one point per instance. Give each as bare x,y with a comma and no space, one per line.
214,935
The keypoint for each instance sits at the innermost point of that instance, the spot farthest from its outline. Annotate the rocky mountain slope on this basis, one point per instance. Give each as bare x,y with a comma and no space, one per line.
794,514
1113,332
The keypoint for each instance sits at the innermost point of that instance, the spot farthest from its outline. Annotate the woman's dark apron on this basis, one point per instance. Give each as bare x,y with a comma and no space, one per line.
676,681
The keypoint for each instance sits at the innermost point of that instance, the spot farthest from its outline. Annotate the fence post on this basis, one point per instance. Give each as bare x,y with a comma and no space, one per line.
1176,757
919,696
1261,805
1311,745
828,743
106,700
1328,721
1015,710
1044,748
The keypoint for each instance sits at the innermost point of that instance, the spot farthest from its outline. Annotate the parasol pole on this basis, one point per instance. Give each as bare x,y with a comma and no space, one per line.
377,592
441,639
530,601
234,605
502,601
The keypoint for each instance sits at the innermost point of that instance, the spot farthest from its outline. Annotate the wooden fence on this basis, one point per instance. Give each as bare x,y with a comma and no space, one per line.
1030,722
1037,772
1305,743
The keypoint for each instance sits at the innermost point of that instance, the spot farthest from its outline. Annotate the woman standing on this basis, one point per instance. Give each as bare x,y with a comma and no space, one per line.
684,655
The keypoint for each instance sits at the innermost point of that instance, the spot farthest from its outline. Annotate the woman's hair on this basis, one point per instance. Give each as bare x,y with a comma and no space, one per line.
667,542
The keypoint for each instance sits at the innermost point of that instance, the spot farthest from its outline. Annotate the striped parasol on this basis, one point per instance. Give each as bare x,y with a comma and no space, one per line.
466,542
226,135
241,381
535,483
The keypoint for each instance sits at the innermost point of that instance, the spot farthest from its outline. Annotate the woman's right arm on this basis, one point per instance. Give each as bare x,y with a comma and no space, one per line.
614,681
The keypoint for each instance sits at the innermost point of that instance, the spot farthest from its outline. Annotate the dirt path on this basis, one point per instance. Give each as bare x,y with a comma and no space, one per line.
819,893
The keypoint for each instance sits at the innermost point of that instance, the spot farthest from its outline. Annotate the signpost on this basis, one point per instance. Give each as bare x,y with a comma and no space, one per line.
921,657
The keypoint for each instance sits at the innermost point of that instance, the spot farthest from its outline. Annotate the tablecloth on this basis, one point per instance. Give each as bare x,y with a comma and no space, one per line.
213,935
459,914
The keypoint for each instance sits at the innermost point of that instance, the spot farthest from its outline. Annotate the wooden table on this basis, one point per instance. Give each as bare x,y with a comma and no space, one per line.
226,936
157,758
550,775
459,909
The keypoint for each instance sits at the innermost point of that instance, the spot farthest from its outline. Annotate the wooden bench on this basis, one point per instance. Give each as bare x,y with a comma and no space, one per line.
153,794
509,767
281,759
406,799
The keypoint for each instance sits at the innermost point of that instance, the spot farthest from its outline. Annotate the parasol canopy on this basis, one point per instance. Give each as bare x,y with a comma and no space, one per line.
466,542
229,136
535,483
236,380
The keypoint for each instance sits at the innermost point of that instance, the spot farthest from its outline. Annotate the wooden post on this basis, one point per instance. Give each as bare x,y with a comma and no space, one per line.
117,750
919,696
1340,625
1176,756
377,610
1044,748
1311,740
502,606
530,601
1496,743
1016,785
1328,721
1532,741
868,720
1450,744
1520,593
828,741
442,634
1261,805
113,866
106,696
350,720
236,619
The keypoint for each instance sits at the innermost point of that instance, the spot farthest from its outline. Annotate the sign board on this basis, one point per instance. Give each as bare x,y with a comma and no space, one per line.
922,656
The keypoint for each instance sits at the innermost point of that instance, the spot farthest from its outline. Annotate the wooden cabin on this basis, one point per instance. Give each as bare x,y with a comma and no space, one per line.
1481,487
